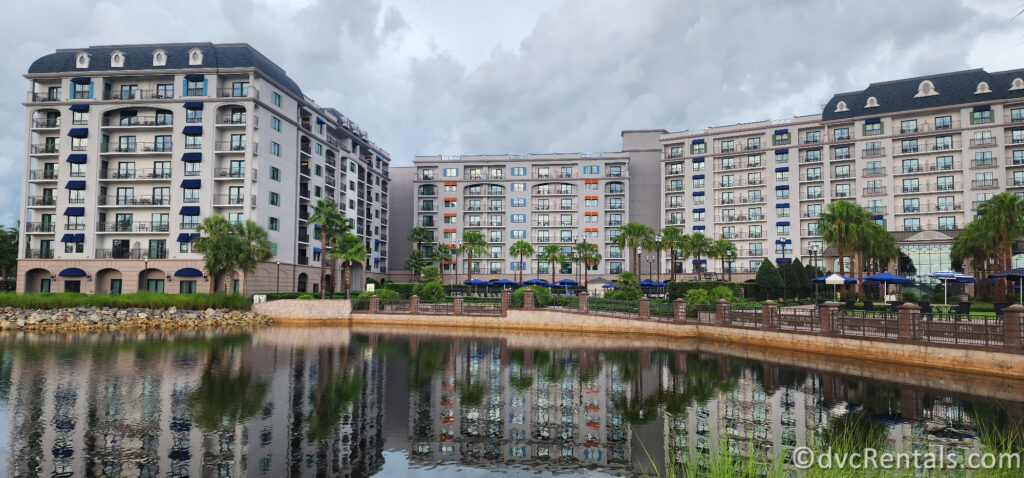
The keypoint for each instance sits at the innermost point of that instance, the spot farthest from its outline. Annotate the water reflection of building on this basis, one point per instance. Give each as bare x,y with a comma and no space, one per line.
131,411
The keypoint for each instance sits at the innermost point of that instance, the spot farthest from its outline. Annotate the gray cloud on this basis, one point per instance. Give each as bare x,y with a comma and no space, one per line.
537,76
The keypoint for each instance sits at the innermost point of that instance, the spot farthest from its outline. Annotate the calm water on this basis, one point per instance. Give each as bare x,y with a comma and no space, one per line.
340,402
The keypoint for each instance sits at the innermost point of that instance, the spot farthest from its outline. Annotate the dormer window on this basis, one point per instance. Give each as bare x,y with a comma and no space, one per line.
841,107
1018,84
159,58
82,60
872,103
117,59
926,88
982,88
195,57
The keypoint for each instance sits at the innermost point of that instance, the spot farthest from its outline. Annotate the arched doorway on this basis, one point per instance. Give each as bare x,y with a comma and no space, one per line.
152,280
328,283
108,281
300,286
356,277
38,280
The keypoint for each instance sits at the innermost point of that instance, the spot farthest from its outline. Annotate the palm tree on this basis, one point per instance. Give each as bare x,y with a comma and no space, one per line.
1004,215
550,253
420,235
521,248
416,262
840,225
590,256
672,239
473,242
442,254
652,243
330,219
217,245
578,251
631,236
254,247
349,249
722,249
700,245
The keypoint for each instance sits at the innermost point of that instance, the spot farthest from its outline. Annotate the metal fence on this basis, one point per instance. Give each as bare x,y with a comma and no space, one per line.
743,316
469,308
398,306
704,314
792,318
665,311
571,303
617,308
436,308
865,324
968,329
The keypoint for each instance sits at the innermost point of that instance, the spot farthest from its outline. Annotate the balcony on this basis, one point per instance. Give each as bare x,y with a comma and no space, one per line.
872,152
1015,137
232,120
42,175
233,173
842,155
985,184
427,207
810,177
137,121
983,142
46,123
136,94
45,149
136,226
674,204
164,147
45,97
613,207
39,254
136,174
673,188
842,137
809,214
873,172
843,174
674,171
673,222
986,162
135,201
124,253
247,92
841,194
228,199
46,201
812,196
233,146
40,227
809,233
942,146
810,140
810,158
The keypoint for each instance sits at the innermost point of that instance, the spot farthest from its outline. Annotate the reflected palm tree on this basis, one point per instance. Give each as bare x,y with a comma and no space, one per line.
332,396
226,398
430,358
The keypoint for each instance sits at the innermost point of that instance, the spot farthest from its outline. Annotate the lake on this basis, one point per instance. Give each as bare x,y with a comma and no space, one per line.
338,401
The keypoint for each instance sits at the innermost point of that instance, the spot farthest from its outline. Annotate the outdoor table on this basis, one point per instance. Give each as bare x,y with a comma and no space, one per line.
944,309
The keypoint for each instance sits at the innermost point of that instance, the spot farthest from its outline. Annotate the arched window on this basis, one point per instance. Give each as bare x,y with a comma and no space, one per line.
82,60
872,103
1018,84
159,58
841,107
195,57
116,59
926,88
982,88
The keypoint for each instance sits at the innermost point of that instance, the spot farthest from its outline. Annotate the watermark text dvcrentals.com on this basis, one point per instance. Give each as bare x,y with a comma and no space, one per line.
870,458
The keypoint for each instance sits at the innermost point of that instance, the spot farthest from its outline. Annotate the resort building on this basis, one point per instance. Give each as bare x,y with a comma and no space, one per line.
920,154
129,147
544,199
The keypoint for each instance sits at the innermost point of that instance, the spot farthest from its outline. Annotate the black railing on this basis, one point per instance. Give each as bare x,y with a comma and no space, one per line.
865,324
133,226
966,329
131,254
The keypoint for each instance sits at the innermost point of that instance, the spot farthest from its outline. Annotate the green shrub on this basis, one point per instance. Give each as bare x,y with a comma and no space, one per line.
910,296
698,297
430,274
541,296
382,295
678,289
429,292
140,299
629,287
307,297
768,280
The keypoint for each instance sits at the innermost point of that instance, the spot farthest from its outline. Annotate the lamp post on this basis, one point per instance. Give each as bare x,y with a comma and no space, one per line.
782,241
813,250
278,277
576,255
657,240
639,263
731,256
458,246
145,272
650,265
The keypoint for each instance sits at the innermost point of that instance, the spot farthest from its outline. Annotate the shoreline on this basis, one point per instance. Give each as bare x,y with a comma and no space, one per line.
98,319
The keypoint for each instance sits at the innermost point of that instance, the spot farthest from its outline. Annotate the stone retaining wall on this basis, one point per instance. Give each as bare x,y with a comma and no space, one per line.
304,310
106,318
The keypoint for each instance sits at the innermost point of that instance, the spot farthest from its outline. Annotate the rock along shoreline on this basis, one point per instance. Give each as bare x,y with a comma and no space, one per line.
107,318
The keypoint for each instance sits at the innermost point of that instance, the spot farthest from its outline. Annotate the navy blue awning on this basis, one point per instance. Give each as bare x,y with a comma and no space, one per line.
698,176
79,238
698,228
72,272
877,217
782,204
376,241
74,211
317,249
320,120
780,260
698,160
782,223
189,210
376,259
782,186
698,141
194,105
194,76
81,80
699,209
784,241
872,120
77,158
78,132
68,238
983,108
79,107
75,185
700,261
781,151
316,227
698,193
784,168
192,130
781,131
192,157
191,183
184,237
188,272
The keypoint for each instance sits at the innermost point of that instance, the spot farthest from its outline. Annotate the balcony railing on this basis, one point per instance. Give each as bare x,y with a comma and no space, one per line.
136,174
247,92
230,199
232,146
39,254
842,174
132,121
42,201
673,188
45,96
40,227
983,142
920,208
152,94
806,158
130,226
986,162
229,172
46,123
984,183
131,254
136,201
872,152
45,149
613,207
43,175
164,147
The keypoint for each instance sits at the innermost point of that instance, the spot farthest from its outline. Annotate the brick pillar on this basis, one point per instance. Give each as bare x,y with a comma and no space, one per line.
1012,318
827,310
581,307
721,310
679,311
458,305
414,304
768,308
527,299
645,308
506,301
905,320
373,303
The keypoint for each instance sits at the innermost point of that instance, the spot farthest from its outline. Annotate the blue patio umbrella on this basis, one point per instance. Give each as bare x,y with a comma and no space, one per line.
535,282
946,277
834,280
610,286
567,282
646,283
478,282
506,282
886,278
1012,274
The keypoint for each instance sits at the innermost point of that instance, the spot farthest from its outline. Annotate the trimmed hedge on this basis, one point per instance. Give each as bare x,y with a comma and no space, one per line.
147,300
678,289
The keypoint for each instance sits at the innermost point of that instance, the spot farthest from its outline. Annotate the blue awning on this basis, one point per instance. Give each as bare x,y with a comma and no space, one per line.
191,183
317,249
78,132
780,260
698,141
77,158
698,176
194,76
75,185
781,151
376,259
698,228
192,157
698,193
784,168
193,105
698,160
184,237
320,120
68,238
699,209
192,130
189,210
784,241
79,238
72,272
983,108
79,107
877,217
74,211
782,186
782,204
376,241
700,261
188,272
872,120
81,80
782,223
316,227
781,131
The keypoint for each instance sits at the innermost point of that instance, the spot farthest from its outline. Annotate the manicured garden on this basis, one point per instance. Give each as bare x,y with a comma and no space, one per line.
136,300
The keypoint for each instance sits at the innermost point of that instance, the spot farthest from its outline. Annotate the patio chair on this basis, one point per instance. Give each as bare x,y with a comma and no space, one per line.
895,306
963,308
869,306
926,307
999,306
848,305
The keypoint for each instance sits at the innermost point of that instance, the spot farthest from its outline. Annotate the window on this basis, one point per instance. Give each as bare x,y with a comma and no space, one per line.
195,87
943,122
780,139
698,216
782,194
237,142
782,211
841,172
193,116
908,126
82,91
943,143
945,183
275,199
519,171
909,146
698,148
874,187
698,182
190,196
781,157
981,117
814,192
841,134
814,155
193,142
782,230
812,137
275,98
189,222
591,169
813,210
947,223
946,203
450,172
873,129
274,224
518,202
754,232
911,224
911,185
192,169
753,143
754,196
911,166
79,118
698,166
842,190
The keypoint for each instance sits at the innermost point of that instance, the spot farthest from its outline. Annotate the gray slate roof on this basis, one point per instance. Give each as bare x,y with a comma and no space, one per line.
898,95
140,57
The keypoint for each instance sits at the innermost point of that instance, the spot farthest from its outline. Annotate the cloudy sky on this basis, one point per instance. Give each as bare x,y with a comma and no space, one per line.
471,76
